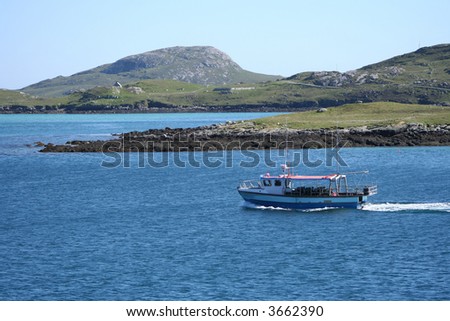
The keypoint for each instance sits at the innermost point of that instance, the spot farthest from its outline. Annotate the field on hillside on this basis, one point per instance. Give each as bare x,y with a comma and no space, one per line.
358,115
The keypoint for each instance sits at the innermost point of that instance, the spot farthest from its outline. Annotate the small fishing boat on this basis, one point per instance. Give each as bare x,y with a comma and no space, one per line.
305,192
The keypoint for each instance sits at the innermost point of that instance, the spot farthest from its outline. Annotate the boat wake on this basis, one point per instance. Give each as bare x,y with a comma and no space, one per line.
273,208
398,207
321,209
378,207
260,207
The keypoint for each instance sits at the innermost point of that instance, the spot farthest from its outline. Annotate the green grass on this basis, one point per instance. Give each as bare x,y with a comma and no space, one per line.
166,86
357,115
12,97
159,90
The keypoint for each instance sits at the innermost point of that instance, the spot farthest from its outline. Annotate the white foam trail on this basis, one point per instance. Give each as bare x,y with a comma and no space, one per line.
260,207
273,208
320,209
397,207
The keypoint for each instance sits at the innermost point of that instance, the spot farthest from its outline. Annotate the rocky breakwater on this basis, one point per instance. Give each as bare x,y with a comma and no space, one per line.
246,135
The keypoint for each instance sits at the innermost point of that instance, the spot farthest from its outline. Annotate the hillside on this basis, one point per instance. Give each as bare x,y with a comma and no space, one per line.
420,77
199,65
428,66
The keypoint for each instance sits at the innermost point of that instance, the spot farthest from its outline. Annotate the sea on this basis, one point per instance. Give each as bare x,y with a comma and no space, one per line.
171,226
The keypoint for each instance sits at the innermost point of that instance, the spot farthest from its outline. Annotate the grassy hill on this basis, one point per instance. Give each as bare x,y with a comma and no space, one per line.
426,66
421,77
378,114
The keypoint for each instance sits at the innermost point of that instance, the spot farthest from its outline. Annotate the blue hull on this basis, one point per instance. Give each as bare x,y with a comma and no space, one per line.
304,206
353,202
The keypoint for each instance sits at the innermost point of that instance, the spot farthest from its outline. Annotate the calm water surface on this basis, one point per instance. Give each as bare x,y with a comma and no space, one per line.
71,229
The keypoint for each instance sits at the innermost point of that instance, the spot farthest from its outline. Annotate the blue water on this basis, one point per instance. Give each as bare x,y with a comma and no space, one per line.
71,229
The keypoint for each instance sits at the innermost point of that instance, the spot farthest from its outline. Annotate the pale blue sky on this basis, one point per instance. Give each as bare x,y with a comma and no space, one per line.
46,38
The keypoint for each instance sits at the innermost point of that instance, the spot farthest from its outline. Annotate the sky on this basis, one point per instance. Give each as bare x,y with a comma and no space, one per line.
42,39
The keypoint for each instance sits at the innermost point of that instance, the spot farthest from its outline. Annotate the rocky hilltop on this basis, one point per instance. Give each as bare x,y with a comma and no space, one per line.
198,64
201,65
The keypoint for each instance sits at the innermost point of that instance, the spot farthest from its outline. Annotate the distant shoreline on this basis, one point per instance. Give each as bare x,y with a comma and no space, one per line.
245,136
161,110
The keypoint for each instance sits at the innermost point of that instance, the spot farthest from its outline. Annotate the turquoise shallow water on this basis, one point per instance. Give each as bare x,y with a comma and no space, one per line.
71,229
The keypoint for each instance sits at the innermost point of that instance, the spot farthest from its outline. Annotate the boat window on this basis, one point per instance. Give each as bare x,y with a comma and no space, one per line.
277,182
267,182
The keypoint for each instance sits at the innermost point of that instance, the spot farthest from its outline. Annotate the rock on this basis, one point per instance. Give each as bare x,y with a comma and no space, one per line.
229,137
135,90
322,110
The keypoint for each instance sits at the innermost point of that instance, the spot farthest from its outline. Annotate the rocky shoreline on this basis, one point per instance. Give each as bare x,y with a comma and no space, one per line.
245,135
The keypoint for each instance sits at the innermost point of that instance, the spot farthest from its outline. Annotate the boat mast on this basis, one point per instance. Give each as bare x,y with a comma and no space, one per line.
286,149
338,169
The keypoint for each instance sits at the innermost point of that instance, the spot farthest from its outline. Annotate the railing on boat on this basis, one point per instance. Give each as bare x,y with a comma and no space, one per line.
324,191
317,190
370,190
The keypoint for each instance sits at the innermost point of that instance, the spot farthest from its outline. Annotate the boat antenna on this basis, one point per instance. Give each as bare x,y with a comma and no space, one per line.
286,148
338,168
